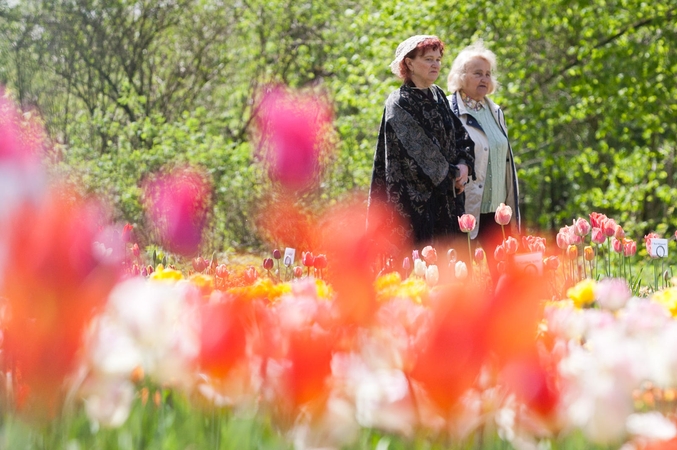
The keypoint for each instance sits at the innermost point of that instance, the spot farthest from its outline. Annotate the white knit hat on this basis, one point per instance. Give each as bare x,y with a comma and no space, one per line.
404,48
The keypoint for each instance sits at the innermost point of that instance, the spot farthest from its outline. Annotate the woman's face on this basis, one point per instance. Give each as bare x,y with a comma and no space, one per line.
425,68
477,78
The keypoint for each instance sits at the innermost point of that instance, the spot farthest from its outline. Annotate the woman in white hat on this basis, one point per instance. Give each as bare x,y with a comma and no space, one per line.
424,155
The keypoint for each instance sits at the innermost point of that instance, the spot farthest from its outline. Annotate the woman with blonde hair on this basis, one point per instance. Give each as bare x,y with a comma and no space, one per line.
471,80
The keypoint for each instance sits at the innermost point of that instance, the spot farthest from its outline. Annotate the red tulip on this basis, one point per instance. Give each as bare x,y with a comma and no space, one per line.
221,271
199,264
277,254
308,259
250,274
268,263
551,262
503,214
467,223
298,272
320,262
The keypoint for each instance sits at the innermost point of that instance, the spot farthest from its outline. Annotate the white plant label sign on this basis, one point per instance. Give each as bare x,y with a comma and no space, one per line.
658,248
289,254
529,263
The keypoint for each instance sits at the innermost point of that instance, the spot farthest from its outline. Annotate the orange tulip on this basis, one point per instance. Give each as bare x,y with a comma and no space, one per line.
588,253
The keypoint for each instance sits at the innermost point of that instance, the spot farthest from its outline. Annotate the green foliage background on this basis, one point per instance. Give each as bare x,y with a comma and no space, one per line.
126,87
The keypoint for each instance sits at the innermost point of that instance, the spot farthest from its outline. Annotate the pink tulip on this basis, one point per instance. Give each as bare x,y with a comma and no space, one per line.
292,128
616,245
479,255
609,227
503,214
511,245
598,236
429,254
629,247
406,265
647,240
619,233
500,253
562,239
581,227
467,223
597,220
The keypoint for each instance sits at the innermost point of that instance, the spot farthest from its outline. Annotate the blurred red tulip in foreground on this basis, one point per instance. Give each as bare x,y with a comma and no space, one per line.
54,281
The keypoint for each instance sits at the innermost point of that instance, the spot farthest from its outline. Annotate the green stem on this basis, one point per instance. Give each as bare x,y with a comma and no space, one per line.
470,258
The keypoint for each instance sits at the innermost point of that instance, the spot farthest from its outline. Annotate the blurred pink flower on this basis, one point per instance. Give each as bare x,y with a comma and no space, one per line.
616,245
292,127
178,203
647,240
511,245
479,255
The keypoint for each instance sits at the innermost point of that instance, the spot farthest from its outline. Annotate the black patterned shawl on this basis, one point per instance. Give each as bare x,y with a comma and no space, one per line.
418,140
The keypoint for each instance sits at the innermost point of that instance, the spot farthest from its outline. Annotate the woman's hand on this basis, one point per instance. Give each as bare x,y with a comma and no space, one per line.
462,179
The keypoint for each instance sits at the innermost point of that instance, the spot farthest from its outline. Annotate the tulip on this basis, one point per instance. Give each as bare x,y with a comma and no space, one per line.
510,245
500,253
597,220
617,245
307,259
562,240
452,256
199,264
503,214
320,262
135,250
647,241
221,271
429,254
588,253
298,272
609,227
460,270
629,247
572,252
598,236
406,266
551,262
415,255
581,227
277,254
419,268
620,233
432,275
135,269
250,274
268,263
467,223
479,255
